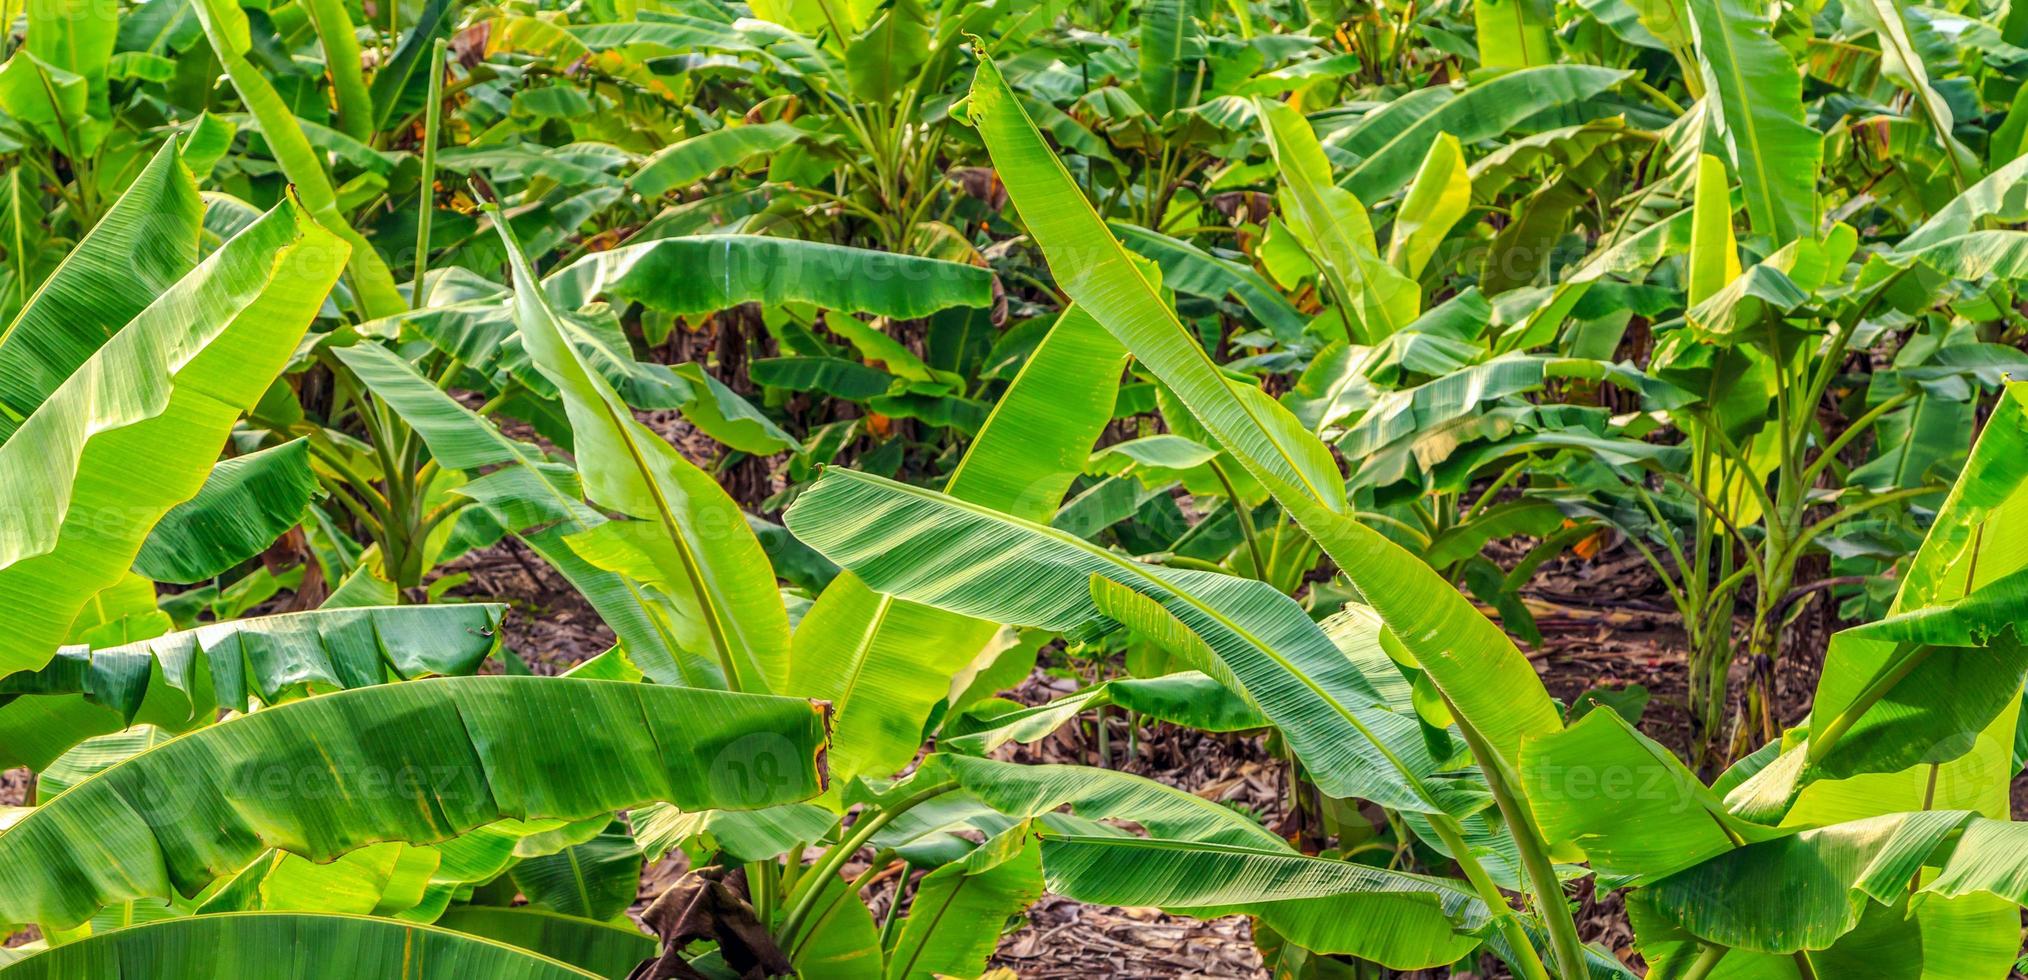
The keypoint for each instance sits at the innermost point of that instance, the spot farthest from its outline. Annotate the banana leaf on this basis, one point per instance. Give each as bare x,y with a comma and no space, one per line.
1188,698
226,28
602,948
144,243
158,398
288,944
885,663
706,273
1399,920
1393,148
1759,100
245,504
686,539
953,921
420,762
685,162
929,548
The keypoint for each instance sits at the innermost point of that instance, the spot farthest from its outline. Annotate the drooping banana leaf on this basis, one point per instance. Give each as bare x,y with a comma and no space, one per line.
596,879
1485,682
420,762
685,162
1631,805
245,504
1025,792
159,398
934,549
145,242
1403,412
286,944
1400,920
1189,698
2001,195
687,539
705,273
1393,150
172,679
604,949
415,882
1828,874
1478,668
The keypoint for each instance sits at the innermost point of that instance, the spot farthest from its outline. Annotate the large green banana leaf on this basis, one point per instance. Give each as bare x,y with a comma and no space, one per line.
926,547
172,679
225,27
1830,874
607,950
1923,939
1392,146
704,273
145,242
885,663
2002,195
687,539
1633,807
1399,920
158,398
245,504
1759,101
594,879
420,762
415,882
1403,412
340,947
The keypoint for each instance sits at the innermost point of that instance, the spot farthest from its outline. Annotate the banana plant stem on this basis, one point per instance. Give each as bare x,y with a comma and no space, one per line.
828,866
1542,880
1525,961
1706,962
1260,570
419,290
